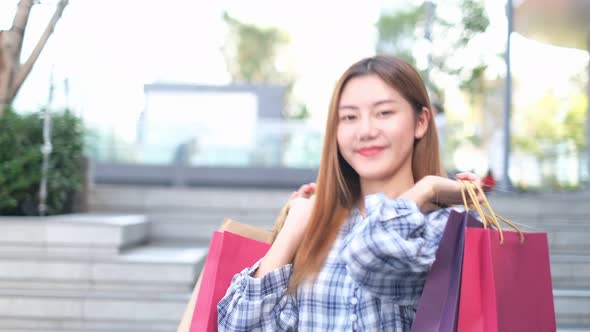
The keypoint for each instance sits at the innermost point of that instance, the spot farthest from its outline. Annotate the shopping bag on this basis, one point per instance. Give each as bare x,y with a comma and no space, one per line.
505,281
251,232
439,303
437,310
235,227
506,286
229,254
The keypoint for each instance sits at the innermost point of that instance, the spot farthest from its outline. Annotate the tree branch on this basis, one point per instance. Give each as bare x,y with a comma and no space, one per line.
6,70
19,24
28,65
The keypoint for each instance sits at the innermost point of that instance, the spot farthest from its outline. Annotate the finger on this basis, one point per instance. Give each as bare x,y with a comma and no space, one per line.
302,189
305,191
467,176
293,195
478,183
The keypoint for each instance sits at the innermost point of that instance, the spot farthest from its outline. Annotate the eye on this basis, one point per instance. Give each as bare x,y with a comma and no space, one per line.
384,113
347,117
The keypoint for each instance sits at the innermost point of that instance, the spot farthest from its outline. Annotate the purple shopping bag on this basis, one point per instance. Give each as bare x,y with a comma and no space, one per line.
439,303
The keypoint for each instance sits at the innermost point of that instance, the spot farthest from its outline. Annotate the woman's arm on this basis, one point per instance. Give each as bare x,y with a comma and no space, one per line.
257,298
285,245
261,304
431,191
393,251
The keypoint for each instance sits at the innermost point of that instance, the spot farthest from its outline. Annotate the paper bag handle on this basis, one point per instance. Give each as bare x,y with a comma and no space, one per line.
491,217
279,222
496,216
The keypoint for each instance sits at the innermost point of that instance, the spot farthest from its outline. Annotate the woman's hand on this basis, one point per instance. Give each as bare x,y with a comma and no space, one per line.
285,245
304,191
432,191
300,207
448,192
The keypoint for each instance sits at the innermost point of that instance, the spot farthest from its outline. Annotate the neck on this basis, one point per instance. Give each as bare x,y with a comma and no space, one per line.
393,186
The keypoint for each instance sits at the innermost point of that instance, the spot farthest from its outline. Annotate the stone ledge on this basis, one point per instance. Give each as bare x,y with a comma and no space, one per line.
8,324
60,305
151,264
76,235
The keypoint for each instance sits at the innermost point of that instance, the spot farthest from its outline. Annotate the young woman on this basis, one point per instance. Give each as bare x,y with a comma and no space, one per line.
354,253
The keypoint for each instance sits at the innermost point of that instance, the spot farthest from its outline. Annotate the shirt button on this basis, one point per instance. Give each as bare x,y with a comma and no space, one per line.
353,317
354,301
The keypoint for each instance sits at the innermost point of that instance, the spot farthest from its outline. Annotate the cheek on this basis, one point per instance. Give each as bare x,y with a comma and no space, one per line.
342,138
402,131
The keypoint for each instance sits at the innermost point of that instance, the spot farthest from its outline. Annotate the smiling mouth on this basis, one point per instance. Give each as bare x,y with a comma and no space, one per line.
371,151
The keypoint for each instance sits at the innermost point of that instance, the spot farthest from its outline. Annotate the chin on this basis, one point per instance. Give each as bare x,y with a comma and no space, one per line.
374,176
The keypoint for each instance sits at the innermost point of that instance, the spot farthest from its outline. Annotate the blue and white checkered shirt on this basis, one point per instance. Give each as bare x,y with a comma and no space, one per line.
371,280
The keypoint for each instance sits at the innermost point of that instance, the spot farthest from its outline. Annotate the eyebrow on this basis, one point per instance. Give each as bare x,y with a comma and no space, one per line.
375,104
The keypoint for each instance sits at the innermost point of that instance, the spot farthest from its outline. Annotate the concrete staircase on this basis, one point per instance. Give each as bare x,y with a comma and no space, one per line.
184,217
131,267
91,273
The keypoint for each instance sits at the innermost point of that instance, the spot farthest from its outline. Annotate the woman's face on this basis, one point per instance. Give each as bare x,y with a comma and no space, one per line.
377,128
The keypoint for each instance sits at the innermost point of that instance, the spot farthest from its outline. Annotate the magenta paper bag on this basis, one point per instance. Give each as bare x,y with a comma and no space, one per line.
229,254
506,287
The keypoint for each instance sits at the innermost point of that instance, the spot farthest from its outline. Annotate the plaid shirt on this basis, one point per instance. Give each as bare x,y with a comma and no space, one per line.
371,281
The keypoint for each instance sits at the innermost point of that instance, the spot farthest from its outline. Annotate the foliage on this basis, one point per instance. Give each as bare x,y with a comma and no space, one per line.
549,122
399,32
21,137
251,51
574,122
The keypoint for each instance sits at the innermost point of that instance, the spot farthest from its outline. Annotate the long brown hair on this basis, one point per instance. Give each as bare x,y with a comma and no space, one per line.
338,184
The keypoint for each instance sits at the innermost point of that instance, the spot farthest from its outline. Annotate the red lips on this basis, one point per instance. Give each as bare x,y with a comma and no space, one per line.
370,151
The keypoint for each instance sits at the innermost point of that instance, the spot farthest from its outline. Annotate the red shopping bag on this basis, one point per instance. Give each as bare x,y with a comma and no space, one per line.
506,286
229,254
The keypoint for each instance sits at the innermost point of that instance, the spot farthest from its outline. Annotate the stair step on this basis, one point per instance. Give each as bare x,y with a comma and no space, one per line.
97,306
572,307
542,207
570,271
573,329
152,267
197,233
8,324
569,241
142,198
84,235
563,239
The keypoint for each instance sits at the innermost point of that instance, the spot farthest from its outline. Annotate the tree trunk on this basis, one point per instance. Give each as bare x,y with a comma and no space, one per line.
5,73
12,74
7,69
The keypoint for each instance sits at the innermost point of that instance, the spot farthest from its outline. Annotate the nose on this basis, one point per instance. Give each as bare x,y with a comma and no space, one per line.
367,129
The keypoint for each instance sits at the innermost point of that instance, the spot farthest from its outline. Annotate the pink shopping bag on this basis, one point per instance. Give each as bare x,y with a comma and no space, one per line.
229,254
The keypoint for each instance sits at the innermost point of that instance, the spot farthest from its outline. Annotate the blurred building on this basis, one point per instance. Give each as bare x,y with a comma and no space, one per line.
208,125
214,135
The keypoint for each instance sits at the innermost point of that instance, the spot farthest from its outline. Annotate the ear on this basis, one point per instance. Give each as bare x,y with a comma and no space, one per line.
422,122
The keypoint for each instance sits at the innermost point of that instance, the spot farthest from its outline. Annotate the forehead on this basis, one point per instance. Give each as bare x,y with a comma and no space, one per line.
367,89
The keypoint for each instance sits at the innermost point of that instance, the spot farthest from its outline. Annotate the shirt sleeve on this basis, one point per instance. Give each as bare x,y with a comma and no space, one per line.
393,250
258,304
